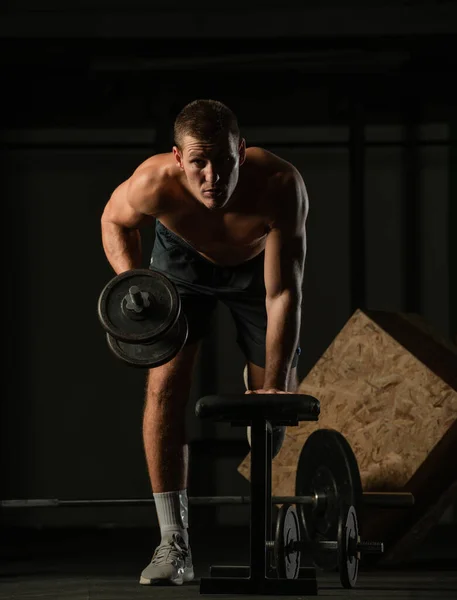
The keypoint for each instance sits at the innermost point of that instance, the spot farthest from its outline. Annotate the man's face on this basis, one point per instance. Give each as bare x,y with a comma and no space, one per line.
211,168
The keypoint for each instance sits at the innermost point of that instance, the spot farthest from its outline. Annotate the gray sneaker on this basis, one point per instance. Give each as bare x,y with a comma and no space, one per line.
171,564
278,432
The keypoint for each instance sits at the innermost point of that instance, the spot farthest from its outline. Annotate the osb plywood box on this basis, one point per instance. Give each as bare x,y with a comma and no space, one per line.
388,383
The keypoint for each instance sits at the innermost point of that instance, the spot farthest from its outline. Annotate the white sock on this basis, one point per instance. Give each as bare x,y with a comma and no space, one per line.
172,512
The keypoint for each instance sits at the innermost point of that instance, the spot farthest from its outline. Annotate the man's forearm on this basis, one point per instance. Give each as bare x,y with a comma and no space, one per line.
283,332
122,247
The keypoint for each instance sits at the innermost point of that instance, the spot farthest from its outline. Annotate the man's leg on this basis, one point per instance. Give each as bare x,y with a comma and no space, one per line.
167,393
164,435
164,423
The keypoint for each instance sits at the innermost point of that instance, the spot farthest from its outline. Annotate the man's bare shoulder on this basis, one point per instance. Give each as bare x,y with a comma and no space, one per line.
285,190
270,171
267,162
152,181
156,170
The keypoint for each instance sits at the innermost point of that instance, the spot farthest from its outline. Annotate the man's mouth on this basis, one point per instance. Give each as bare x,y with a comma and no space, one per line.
213,191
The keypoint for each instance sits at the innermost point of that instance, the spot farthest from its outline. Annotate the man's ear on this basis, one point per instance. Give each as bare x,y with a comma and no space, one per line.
178,157
242,150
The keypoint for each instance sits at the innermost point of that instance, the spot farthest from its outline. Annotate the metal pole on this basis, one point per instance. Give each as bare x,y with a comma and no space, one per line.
260,497
411,216
357,205
452,237
381,499
269,144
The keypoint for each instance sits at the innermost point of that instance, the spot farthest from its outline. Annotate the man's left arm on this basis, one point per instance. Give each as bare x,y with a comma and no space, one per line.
285,254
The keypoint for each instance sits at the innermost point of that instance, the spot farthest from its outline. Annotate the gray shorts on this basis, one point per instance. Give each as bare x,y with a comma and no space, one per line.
201,284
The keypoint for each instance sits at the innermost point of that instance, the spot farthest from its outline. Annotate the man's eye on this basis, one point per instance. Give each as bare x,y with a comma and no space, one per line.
198,162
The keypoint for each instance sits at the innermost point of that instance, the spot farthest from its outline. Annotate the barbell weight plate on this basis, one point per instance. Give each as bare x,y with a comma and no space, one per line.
287,543
348,556
154,321
327,468
155,353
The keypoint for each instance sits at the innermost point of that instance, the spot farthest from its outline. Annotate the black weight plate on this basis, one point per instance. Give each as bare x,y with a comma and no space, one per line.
153,354
327,468
348,556
287,543
154,322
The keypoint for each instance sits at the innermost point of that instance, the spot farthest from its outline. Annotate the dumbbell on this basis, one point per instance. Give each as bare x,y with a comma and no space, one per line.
348,547
140,310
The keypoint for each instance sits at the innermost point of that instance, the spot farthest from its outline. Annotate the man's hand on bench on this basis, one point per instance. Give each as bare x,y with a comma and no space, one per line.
268,391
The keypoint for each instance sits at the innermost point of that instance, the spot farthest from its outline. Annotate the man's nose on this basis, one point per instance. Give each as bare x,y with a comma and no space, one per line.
212,175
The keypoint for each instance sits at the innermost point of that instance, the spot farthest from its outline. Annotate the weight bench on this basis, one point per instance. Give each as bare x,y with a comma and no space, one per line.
261,412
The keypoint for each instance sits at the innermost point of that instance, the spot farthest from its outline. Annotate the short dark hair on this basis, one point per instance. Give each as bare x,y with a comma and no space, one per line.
204,120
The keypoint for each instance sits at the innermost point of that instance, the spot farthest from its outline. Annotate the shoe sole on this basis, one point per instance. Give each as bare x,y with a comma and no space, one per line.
177,581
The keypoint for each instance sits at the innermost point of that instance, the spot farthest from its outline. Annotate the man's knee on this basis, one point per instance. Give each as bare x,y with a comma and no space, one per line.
172,381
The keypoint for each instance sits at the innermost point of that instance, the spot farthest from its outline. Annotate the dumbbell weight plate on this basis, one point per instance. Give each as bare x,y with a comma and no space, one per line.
155,353
287,543
154,321
348,556
327,468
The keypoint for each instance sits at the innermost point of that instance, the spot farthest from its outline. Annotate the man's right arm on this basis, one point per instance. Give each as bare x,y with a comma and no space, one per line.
130,207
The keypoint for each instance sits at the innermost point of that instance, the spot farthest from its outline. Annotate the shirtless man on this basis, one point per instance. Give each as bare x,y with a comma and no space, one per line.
230,226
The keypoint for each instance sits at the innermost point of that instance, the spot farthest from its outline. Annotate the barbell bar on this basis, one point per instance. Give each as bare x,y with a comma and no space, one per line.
378,499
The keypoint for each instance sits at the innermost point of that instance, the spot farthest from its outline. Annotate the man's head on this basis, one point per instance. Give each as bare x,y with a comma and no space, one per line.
209,150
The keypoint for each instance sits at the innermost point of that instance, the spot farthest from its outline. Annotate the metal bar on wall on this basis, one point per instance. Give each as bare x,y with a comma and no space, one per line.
357,250
452,234
122,144
411,216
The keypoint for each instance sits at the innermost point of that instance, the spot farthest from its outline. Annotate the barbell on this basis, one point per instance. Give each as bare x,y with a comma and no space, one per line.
382,500
327,477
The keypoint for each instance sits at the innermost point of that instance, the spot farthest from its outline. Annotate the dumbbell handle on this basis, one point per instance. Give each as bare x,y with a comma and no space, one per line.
136,297
136,300
370,547
332,546
364,547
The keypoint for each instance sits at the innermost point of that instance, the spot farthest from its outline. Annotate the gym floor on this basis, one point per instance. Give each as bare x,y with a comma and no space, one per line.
106,564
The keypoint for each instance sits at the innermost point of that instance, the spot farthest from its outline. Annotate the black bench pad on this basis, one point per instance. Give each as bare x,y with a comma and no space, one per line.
276,408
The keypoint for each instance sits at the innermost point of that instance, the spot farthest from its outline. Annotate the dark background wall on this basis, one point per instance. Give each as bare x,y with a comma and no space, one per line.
360,99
